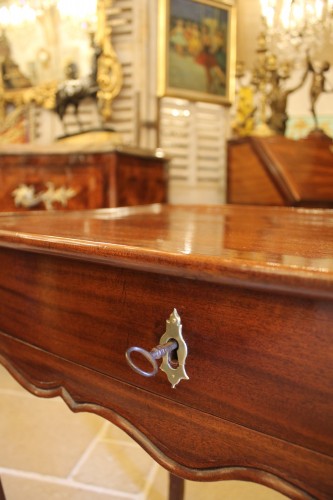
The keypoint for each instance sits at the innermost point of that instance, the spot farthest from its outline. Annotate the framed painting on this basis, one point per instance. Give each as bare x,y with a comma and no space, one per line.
196,55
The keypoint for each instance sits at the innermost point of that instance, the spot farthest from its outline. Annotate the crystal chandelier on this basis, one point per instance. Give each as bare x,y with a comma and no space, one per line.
18,12
297,27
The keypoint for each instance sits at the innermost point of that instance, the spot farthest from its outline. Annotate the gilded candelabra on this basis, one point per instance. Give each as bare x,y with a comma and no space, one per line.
292,31
269,77
109,69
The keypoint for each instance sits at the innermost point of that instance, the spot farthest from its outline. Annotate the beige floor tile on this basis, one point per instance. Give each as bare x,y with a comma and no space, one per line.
217,490
230,490
7,381
42,435
160,486
17,488
118,466
113,433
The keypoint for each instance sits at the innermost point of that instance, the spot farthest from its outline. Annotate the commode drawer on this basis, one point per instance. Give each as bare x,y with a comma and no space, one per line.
52,188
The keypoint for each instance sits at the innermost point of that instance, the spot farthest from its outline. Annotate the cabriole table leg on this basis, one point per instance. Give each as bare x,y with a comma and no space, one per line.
2,493
176,487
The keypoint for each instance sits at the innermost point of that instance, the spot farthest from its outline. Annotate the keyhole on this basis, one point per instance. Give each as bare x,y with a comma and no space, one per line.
173,356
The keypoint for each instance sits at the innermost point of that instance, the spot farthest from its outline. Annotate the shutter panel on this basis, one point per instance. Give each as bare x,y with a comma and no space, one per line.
124,108
194,135
175,134
210,138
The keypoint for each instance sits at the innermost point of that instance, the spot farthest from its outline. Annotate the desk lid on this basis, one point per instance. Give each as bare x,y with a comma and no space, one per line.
301,171
267,247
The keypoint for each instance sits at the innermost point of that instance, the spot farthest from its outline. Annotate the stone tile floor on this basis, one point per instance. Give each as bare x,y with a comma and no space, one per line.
49,453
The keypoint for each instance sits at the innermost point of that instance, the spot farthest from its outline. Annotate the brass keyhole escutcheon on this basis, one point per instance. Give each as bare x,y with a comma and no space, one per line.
172,349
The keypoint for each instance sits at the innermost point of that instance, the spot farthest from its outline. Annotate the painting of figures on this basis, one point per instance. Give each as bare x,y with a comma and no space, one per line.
196,49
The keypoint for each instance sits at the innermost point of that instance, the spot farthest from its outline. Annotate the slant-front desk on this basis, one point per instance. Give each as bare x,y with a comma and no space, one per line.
239,301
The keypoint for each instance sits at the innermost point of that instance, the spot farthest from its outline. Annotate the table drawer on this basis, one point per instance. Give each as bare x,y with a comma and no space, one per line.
248,350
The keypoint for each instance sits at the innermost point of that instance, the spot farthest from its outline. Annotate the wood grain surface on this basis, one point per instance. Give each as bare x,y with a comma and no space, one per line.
100,178
277,170
253,287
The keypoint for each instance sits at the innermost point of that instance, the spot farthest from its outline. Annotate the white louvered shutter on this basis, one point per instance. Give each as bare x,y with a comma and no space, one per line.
124,107
194,135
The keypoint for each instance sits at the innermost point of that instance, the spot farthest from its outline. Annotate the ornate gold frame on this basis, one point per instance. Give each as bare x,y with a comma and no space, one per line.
109,75
109,69
42,95
164,88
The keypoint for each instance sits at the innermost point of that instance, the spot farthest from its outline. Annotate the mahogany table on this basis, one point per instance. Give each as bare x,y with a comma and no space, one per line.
252,288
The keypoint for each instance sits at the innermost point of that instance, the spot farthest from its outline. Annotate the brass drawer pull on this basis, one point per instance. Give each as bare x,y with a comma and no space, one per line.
26,196
172,340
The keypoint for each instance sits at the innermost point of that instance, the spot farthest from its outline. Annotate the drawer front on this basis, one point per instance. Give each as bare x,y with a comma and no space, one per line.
256,359
31,187
188,442
140,181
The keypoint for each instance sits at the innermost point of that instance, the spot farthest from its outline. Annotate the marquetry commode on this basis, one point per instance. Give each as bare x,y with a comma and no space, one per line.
253,291
70,176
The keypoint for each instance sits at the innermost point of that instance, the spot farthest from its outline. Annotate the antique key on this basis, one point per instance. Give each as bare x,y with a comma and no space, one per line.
171,340
156,353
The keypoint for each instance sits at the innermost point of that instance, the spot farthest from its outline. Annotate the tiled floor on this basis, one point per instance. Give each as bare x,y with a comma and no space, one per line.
49,453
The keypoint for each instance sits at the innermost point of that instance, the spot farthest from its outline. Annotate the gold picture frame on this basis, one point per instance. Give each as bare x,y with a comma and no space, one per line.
197,49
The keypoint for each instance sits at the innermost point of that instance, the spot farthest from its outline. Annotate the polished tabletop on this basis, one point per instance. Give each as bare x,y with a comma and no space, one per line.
281,246
253,287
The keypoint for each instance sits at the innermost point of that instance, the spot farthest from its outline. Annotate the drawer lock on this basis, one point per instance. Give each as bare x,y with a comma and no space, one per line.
172,349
